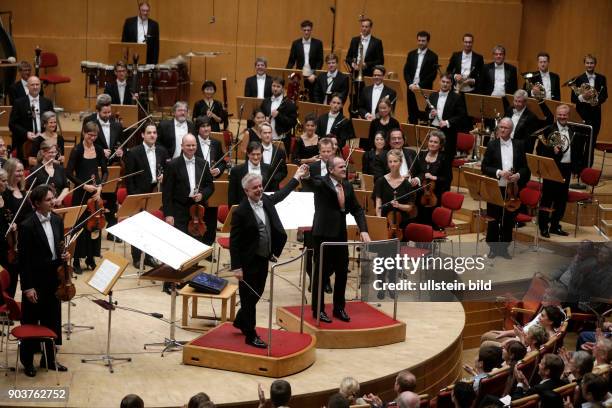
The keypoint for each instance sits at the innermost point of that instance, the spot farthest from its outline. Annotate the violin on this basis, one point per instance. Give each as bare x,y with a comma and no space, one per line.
394,218
97,222
429,198
11,240
65,290
512,202
196,226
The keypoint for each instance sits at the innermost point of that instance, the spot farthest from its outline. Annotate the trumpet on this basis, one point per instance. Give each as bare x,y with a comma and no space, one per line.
359,77
553,139
537,90
588,93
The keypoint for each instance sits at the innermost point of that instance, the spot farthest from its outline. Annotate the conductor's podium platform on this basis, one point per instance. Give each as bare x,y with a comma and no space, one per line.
368,327
224,348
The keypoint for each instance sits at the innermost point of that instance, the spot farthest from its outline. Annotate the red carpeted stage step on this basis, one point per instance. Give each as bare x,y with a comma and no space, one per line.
223,347
368,326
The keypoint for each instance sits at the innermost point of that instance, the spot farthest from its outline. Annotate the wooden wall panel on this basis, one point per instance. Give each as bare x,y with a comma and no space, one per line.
80,30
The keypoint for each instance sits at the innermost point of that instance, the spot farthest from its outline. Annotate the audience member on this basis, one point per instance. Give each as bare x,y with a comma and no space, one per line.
404,381
132,401
337,400
594,390
489,358
550,370
463,395
200,400
280,393
408,399
349,387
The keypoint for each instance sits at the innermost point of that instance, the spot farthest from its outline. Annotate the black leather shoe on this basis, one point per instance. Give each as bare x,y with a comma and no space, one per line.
506,255
545,234
150,262
558,231
30,371
91,264
322,317
76,265
328,288
53,366
256,342
380,295
491,255
342,315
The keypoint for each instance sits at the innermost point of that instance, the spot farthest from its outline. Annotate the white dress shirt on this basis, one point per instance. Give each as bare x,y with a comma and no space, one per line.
306,45
190,165
417,73
254,169
276,102
121,89
442,96
366,43
507,155
376,92
25,86
46,224
466,68
567,156
205,146
591,78
150,152
267,153
330,122
261,86
323,168
180,130
143,29
106,131
546,83
35,102
516,116
331,76
259,210
499,86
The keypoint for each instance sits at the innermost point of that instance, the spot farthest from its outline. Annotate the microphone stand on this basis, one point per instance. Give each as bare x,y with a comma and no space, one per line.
237,135
333,36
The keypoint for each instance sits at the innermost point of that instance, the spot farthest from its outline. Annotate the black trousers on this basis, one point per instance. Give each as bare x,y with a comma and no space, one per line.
210,219
554,195
499,231
110,203
335,260
413,109
47,312
250,290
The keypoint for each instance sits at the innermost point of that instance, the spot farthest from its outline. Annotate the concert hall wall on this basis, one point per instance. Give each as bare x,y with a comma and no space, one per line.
80,30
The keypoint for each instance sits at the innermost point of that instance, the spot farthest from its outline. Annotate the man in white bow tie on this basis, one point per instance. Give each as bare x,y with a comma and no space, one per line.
273,156
254,164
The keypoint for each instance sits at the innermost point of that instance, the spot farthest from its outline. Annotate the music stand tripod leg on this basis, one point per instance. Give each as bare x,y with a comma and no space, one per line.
69,327
170,343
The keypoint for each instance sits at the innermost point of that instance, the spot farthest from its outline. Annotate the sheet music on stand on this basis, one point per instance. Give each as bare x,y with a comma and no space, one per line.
108,272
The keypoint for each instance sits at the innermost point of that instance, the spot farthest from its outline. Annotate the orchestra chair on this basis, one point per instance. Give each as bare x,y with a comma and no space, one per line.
442,217
531,401
530,198
605,148
454,202
422,236
121,194
28,332
444,398
534,185
49,60
465,145
424,401
224,216
590,177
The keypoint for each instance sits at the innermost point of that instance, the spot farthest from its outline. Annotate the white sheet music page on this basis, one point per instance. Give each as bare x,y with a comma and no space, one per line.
158,239
104,275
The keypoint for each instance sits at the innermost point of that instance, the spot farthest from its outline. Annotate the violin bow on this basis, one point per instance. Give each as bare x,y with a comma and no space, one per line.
197,189
38,169
272,161
25,198
139,124
405,195
417,154
122,177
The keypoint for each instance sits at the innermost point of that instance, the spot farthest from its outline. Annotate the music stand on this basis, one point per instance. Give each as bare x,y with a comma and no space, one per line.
178,251
482,188
127,113
219,196
422,132
285,72
124,51
70,214
305,108
483,106
421,103
250,104
573,115
361,127
4,120
103,279
410,136
113,173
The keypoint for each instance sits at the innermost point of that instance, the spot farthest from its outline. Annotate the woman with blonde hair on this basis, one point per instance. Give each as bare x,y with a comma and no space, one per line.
349,388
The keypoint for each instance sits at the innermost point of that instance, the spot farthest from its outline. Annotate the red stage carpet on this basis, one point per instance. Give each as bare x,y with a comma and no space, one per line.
227,337
363,316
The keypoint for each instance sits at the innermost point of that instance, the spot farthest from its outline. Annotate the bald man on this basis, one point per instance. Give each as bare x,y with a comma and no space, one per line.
408,399
24,122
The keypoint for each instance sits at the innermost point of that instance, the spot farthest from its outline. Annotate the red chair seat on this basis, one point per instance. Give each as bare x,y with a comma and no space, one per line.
534,185
414,252
304,229
574,196
523,218
31,331
459,162
224,242
440,235
606,147
55,79
158,213
121,194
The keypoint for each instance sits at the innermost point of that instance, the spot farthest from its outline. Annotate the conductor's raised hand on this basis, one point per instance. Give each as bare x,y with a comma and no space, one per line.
170,220
302,172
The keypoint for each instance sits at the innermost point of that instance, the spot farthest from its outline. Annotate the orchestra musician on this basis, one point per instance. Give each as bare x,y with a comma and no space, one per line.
141,29
524,121
372,48
306,54
435,166
260,84
13,197
207,106
3,152
170,132
280,112
410,167
449,113
371,95
505,161
420,71
466,65
498,78
50,134
331,82
19,89
257,236
24,122
210,150
591,114
84,161
334,198
5,219
274,157
335,123
40,238
235,192
120,90
384,122
307,144
554,194
52,174
253,132
152,159
373,157
547,79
